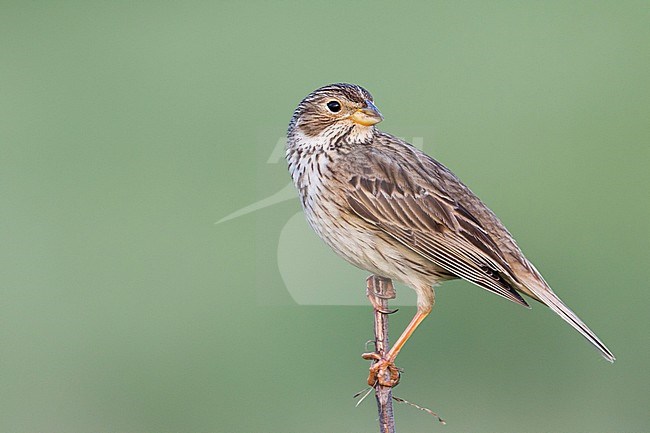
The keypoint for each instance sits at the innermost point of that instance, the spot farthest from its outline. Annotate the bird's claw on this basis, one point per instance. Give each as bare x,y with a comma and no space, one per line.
383,371
377,305
371,356
374,294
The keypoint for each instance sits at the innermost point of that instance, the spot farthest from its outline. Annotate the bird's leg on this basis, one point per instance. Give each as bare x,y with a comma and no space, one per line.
378,369
377,289
415,322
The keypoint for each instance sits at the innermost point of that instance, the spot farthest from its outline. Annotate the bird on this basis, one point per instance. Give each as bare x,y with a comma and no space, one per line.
389,208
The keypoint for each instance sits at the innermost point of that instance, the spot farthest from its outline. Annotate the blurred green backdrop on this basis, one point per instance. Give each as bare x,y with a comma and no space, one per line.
128,128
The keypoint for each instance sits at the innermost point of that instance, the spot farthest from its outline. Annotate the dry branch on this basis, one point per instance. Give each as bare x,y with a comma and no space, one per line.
379,290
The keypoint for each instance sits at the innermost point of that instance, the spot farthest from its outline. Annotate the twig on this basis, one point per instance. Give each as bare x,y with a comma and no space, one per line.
366,392
379,290
424,409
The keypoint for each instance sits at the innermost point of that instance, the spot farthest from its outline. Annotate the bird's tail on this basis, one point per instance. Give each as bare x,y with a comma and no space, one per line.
545,294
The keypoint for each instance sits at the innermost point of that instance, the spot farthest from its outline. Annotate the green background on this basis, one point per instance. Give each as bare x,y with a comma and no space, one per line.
128,128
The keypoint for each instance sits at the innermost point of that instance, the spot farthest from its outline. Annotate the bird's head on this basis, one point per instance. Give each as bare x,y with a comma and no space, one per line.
336,110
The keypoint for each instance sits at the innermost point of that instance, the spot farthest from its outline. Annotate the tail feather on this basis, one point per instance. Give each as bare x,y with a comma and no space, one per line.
544,294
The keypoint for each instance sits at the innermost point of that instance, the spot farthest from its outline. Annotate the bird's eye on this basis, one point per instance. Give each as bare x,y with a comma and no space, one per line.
334,106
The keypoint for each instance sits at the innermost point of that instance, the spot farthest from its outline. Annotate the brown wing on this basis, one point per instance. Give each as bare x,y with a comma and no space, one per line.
421,204
430,223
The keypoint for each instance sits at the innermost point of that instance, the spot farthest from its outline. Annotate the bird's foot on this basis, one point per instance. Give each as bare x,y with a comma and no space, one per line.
379,288
382,371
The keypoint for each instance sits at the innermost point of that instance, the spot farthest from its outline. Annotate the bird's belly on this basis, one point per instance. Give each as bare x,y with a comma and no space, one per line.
370,249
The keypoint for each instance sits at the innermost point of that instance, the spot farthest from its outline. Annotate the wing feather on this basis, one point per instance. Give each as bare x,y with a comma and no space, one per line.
434,227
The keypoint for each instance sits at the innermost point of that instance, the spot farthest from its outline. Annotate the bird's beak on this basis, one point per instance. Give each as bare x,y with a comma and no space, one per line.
368,115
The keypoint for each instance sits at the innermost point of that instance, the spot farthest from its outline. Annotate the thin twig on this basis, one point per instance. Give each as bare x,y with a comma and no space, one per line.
427,410
379,290
366,392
